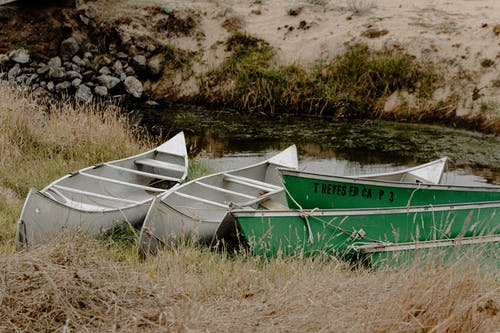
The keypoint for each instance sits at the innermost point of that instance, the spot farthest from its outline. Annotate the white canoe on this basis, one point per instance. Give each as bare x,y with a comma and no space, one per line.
429,173
195,209
96,199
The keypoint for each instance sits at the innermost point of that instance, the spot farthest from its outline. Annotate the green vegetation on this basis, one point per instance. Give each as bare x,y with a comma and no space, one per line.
351,85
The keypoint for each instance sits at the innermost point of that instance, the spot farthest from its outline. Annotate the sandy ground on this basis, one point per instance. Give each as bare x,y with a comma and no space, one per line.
462,36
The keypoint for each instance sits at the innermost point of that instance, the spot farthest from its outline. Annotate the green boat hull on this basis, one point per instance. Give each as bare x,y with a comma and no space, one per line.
308,191
485,249
340,232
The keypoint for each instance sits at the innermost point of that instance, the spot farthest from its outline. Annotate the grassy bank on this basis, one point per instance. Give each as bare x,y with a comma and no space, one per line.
81,284
360,83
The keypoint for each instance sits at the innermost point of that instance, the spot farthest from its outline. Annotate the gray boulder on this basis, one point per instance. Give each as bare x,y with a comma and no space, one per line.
13,72
21,56
76,83
79,61
101,91
57,73
69,47
139,62
108,81
84,94
55,62
133,86
63,86
4,59
155,65
71,75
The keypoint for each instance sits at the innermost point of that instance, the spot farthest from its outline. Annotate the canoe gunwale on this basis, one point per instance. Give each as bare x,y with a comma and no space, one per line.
393,247
363,211
286,172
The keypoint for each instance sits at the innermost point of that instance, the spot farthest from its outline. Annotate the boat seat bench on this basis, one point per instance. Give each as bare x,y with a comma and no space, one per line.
115,181
195,198
223,190
142,173
251,183
160,164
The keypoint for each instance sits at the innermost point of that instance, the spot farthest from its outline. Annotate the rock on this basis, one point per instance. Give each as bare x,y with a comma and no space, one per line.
71,75
155,65
118,68
76,83
105,70
101,91
4,59
129,71
13,72
21,56
51,86
39,92
69,47
122,55
133,86
88,11
55,62
63,86
294,10
43,69
87,55
84,94
87,75
108,81
139,62
56,73
79,61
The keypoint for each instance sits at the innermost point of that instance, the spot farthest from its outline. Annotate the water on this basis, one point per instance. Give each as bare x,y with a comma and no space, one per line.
228,139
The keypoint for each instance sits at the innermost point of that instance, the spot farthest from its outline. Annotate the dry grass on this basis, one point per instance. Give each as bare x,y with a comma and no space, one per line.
41,143
86,285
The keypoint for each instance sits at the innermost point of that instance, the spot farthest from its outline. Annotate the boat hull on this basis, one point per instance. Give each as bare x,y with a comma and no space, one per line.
275,233
97,198
194,211
309,191
45,219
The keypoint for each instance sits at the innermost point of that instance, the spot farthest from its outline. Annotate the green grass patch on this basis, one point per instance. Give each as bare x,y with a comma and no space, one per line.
350,85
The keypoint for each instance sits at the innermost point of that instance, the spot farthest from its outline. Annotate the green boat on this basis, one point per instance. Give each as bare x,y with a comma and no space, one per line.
355,232
306,190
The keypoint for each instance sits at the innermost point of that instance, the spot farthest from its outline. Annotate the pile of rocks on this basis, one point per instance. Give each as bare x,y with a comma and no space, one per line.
80,71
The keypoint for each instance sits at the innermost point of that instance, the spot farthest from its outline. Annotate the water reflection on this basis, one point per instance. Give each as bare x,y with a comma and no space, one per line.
228,139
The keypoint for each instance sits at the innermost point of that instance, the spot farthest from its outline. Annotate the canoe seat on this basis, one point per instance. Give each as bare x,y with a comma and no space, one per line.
198,199
251,183
160,164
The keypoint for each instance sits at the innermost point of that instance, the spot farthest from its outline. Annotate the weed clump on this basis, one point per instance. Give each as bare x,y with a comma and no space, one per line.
350,85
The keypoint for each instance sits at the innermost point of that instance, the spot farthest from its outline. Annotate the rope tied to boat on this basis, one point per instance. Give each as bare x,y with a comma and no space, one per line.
408,204
303,214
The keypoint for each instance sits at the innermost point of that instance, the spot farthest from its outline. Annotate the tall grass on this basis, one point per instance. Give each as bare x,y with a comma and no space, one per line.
39,144
350,85
87,285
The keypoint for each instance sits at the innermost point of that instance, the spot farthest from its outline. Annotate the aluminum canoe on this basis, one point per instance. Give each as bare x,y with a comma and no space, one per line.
96,199
195,209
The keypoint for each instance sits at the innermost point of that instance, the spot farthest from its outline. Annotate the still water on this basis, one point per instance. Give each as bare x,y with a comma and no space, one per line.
227,139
